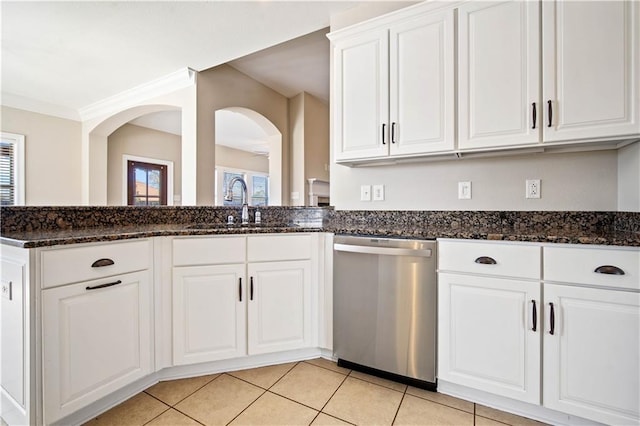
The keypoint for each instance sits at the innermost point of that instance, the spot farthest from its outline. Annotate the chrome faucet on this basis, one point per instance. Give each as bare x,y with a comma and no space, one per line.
229,196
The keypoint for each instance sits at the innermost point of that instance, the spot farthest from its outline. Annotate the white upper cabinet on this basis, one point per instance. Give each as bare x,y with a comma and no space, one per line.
361,96
591,69
498,74
421,73
393,88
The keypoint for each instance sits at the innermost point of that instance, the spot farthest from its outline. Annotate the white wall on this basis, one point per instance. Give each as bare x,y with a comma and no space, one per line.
52,156
309,131
238,159
575,181
629,178
140,142
224,87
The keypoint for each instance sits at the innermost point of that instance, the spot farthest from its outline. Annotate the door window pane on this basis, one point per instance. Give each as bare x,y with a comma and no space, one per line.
147,184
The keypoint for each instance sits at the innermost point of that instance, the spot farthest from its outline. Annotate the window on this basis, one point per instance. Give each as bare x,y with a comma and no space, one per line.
12,170
147,184
257,187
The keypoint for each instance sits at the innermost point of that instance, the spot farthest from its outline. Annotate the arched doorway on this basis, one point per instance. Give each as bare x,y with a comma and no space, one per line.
248,143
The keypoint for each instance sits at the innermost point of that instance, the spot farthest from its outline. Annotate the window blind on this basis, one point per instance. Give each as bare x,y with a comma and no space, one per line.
7,174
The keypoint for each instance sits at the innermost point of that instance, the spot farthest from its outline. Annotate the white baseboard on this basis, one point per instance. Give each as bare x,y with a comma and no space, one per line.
519,408
185,371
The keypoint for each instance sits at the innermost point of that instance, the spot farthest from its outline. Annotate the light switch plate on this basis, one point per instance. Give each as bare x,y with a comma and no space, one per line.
378,192
464,190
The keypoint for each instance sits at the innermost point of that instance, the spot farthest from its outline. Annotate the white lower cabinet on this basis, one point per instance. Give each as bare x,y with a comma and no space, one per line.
586,327
96,339
209,313
489,334
259,304
279,306
592,359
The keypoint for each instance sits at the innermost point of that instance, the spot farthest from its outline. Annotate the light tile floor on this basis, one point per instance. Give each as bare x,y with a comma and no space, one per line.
314,392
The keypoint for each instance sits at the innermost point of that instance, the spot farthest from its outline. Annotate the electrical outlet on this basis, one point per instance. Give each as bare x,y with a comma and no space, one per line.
365,192
6,290
464,190
533,189
378,192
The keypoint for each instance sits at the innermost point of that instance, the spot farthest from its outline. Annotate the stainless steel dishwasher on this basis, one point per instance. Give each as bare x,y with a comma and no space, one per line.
385,307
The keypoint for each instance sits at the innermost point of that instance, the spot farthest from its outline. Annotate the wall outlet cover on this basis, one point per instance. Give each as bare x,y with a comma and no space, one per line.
365,192
378,192
533,189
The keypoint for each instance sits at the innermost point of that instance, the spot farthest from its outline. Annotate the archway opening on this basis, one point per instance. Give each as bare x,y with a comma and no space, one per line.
250,146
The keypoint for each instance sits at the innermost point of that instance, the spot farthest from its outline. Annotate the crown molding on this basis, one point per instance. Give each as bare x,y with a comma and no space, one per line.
13,100
180,79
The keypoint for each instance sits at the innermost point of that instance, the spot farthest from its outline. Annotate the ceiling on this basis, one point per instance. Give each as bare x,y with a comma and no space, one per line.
70,55
60,57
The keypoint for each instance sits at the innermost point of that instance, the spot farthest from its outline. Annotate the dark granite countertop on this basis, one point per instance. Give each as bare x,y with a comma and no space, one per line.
34,226
32,239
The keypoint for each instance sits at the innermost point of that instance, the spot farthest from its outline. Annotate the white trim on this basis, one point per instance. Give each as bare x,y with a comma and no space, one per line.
180,79
24,103
169,164
19,168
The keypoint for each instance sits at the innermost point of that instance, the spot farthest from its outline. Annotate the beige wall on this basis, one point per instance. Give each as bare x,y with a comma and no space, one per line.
52,156
238,159
140,142
629,178
309,129
575,181
223,87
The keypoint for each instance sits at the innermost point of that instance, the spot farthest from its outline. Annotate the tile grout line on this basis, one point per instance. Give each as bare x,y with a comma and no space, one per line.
331,397
164,411
282,377
326,368
398,409
247,407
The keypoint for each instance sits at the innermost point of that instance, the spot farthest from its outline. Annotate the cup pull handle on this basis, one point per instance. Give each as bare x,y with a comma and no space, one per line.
609,270
486,260
102,262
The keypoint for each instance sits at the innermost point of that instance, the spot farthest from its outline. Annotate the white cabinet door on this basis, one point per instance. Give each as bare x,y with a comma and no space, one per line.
279,306
486,335
13,330
421,69
209,313
361,96
498,74
592,359
96,339
591,69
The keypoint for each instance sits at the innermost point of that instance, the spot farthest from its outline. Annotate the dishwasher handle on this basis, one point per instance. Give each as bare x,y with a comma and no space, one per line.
387,251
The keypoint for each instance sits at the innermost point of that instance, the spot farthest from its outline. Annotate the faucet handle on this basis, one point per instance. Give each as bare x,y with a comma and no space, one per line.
230,220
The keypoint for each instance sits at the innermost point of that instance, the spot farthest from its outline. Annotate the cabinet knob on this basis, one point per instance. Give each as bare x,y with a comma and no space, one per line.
609,270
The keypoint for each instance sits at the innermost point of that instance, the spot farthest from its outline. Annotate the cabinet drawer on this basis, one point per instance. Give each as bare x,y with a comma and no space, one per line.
78,263
511,260
265,248
208,251
579,264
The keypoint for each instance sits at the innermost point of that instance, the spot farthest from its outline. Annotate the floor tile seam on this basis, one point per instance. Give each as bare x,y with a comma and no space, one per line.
161,413
332,395
172,406
398,409
327,368
336,417
246,381
247,407
449,406
282,377
381,386
292,400
490,418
